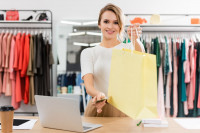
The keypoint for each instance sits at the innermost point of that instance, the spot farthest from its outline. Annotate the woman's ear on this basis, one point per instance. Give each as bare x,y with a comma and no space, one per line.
99,26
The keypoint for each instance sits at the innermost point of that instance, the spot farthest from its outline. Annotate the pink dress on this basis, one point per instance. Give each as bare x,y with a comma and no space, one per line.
14,103
190,88
1,69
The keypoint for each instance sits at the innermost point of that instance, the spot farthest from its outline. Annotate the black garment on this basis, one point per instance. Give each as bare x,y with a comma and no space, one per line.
35,66
48,68
43,60
74,79
195,110
39,63
44,67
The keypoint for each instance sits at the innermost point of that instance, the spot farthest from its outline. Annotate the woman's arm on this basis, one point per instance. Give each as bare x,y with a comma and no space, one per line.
97,95
89,85
138,47
135,36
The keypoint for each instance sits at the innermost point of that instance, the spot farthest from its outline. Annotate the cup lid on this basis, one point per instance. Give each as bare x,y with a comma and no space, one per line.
6,108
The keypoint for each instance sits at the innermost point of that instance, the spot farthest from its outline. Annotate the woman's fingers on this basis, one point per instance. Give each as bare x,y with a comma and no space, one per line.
99,106
94,99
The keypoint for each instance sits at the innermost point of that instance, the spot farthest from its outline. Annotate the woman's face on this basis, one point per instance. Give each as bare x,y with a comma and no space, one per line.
109,25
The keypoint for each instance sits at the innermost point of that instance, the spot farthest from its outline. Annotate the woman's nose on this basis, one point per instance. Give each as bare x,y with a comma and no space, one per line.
110,25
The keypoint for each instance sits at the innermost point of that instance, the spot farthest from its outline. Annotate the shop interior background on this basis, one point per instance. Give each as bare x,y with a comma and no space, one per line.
82,10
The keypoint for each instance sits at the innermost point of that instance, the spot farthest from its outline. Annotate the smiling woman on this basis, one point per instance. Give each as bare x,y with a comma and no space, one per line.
95,62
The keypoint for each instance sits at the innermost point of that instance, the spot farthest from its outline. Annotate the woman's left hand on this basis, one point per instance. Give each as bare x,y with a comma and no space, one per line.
133,28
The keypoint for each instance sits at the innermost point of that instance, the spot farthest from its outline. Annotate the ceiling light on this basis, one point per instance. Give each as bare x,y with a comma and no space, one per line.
94,44
80,44
70,22
93,33
76,34
90,22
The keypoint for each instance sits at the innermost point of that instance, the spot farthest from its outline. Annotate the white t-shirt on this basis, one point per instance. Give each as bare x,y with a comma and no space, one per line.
97,61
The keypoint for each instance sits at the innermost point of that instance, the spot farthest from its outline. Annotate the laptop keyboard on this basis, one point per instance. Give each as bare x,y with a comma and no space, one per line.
85,128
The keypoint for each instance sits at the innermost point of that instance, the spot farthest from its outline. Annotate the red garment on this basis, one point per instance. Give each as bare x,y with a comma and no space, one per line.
24,68
15,66
21,56
22,79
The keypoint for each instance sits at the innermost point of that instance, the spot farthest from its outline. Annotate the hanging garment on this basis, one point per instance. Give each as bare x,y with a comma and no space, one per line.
168,84
9,38
15,66
21,58
79,81
50,62
4,47
8,91
44,66
186,68
192,80
160,106
175,81
14,103
24,68
1,49
172,79
35,40
166,59
183,85
196,110
39,65
1,55
30,72
181,81
157,52
21,55
187,62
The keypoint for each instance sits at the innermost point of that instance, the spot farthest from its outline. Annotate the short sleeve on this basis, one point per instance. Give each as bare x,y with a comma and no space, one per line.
87,65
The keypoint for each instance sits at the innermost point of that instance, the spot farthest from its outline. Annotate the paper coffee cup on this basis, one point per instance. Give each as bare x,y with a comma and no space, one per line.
7,113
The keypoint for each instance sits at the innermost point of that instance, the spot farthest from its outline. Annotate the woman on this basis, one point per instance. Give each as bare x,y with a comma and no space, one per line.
95,62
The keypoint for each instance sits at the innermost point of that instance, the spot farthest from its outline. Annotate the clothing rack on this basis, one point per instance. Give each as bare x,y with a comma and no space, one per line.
29,25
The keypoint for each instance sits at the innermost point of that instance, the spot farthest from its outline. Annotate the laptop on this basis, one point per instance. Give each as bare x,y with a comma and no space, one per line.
61,113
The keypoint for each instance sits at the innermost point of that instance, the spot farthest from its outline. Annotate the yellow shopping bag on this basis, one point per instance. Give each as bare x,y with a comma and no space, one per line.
133,83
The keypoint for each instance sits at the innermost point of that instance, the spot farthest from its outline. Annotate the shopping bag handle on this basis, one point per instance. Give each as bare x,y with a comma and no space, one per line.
138,41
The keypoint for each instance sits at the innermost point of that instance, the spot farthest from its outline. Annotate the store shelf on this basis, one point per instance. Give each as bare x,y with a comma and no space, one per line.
26,24
170,27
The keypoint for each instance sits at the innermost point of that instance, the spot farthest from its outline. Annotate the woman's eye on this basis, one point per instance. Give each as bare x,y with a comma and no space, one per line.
106,21
115,22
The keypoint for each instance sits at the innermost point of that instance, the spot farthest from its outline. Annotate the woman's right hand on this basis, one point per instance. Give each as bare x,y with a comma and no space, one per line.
99,105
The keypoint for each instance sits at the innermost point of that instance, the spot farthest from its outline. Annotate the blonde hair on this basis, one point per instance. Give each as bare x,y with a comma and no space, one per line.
119,14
